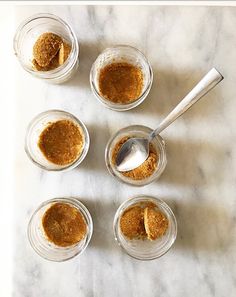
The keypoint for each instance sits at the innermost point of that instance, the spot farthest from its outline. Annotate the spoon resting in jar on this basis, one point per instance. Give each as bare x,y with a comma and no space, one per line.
136,150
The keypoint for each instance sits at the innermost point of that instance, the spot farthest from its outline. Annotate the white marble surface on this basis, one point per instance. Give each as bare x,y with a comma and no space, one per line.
199,183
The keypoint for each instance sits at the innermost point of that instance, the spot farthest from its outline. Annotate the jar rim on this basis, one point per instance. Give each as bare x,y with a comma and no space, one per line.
86,214
118,106
73,56
77,161
136,199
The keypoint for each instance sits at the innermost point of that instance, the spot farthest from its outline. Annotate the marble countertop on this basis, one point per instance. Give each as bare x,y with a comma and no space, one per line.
199,183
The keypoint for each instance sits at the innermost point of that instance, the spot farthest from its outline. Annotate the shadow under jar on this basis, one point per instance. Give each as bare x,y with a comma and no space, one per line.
26,36
143,248
35,130
122,55
138,176
46,248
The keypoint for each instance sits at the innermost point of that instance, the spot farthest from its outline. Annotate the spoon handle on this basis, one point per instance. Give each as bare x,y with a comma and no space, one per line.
208,82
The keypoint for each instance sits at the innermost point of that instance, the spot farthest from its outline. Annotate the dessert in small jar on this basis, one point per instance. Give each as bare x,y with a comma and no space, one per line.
60,229
47,47
56,140
145,227
148,171
121,77
50,51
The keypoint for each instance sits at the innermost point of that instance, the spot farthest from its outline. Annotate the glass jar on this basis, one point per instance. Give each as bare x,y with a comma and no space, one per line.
121,53
47,249
35,128
136,131
29,31
144,249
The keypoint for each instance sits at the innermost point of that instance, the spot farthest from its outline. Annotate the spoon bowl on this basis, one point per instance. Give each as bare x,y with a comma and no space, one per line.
132,153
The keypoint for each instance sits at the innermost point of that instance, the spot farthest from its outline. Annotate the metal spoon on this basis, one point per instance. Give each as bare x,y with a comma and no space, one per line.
136,150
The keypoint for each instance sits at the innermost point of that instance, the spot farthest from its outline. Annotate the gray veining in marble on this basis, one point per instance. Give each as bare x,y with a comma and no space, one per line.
199,183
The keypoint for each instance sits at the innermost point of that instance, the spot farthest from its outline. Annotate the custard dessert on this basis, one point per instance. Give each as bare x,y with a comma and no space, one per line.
49,52
63,224
61,142
120,82
143,221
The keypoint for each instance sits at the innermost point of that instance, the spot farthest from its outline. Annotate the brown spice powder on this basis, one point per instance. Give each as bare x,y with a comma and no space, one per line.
64,225
57,61
146,169
132,222
143,220
46,47
61,142
52,65
120,82
155,222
